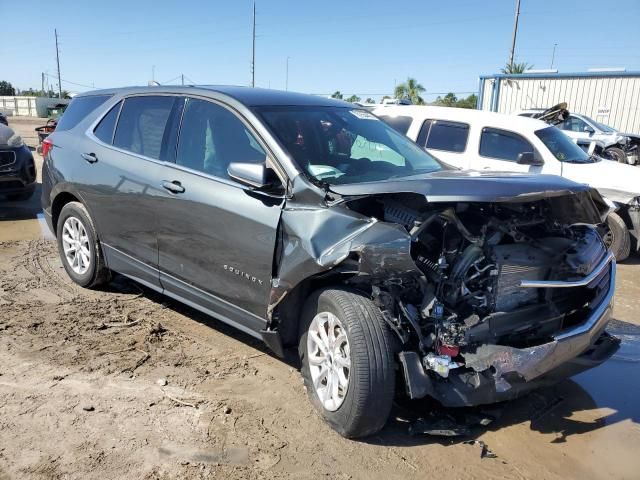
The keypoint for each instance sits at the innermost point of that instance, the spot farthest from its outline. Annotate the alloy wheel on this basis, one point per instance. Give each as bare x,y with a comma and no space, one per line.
329,359
75,243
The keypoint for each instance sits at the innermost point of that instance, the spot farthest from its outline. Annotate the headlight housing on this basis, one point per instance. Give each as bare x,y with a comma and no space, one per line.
15,141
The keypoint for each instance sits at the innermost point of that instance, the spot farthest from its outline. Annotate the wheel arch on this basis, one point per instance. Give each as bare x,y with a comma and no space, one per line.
60,200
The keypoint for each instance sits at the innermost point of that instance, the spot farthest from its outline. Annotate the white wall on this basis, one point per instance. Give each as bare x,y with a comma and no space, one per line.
611,100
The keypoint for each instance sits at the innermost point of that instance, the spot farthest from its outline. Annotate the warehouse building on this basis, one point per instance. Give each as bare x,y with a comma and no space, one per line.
609,97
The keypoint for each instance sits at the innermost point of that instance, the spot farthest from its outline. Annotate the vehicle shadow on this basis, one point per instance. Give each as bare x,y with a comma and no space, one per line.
21,209
549,410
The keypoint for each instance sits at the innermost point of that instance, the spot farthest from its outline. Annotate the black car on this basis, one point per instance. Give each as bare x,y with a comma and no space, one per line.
17,168
309,223
3,119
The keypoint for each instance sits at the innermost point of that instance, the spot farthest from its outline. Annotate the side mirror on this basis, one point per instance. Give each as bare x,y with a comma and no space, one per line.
528,158
588,129
251,174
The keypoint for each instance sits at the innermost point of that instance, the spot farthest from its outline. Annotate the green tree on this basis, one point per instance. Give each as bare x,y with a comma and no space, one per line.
369,100
410,89
449,100
337,95
6,88
384,98
353,98
516,68
470,102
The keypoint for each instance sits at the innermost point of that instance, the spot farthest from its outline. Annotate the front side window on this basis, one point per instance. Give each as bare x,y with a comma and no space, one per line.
445,135
573,124
341,145
142,125
211,137
562,147
78,110
495,143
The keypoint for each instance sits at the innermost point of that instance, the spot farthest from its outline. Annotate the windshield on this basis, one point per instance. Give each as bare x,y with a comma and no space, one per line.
602,126
339,145
562,146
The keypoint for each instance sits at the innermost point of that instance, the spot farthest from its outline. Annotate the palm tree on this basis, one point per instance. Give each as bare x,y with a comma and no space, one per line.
410,89
353,98
516,68
337,95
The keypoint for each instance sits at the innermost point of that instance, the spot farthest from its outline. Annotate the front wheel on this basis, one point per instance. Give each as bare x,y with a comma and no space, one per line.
616,154
617,238
347,355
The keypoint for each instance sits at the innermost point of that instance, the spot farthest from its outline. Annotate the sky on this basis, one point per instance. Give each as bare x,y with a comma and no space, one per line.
357,46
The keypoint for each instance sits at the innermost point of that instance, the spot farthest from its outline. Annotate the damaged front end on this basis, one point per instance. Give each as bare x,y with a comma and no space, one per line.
488,298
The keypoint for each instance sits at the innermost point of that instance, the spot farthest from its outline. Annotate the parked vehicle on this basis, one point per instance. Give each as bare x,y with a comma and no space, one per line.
309,223
479,140
617,146
3,119
17,168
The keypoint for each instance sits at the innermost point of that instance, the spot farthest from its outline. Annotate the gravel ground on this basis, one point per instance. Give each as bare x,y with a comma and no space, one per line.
125,383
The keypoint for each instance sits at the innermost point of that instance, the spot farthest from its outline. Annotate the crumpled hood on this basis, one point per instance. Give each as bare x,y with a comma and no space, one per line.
470,186
616,181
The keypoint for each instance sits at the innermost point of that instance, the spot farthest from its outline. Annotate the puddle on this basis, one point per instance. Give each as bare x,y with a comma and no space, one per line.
616,383
27,229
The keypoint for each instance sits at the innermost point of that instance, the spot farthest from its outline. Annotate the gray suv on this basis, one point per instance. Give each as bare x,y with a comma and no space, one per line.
309,223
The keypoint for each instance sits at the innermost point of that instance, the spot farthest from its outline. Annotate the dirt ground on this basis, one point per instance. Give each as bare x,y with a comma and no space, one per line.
124,383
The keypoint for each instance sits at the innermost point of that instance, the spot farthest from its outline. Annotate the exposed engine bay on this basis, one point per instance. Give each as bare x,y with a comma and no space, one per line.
471,259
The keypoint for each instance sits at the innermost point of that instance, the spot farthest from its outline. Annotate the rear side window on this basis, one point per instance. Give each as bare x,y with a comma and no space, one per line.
445,135
399,124
504,145
142,124
78,109
104,130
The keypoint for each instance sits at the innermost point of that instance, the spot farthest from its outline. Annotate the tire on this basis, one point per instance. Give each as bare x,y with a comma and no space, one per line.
617,154
618,239
18,197
370,389
96,272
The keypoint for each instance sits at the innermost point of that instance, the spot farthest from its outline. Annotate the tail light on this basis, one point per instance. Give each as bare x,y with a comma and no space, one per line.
47,145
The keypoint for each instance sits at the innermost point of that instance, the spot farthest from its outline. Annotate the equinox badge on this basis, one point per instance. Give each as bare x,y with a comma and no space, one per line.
242,274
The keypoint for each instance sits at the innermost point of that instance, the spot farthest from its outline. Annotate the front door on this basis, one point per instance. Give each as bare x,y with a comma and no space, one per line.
216,237
499,151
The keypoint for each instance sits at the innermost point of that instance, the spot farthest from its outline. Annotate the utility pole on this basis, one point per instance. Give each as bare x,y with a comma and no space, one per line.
182,79
253,49
515,33
58,62
553,55
286,82
43,84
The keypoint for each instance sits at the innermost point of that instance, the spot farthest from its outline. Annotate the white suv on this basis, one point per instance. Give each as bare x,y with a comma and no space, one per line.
479,140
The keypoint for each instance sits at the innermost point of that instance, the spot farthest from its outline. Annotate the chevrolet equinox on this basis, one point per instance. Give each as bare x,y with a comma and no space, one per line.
307,222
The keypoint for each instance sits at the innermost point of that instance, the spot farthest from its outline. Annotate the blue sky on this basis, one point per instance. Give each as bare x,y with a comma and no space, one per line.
361,47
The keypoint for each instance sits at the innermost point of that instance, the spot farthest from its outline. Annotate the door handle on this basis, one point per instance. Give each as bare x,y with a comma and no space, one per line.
173,187
90,157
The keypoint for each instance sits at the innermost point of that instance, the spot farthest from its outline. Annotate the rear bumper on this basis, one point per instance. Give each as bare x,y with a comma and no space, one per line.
19,176
495,373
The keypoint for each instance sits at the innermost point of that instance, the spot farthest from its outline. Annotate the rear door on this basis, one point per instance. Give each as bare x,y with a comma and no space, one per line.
131,142
499,150
217,237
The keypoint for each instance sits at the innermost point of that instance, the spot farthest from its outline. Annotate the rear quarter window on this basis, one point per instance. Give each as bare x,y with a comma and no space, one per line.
104,130
78,109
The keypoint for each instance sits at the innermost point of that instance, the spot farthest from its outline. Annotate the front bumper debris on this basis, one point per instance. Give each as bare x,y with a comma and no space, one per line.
496,373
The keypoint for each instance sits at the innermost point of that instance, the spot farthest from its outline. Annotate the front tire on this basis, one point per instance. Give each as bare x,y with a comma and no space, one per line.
79,247
347,355
618,239
617,154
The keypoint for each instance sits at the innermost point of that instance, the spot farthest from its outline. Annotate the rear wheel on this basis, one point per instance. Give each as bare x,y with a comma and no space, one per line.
79,247
618,238
616,154
346,350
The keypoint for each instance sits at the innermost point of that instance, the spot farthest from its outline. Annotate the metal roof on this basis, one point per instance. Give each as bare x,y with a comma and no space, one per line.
248,96
635,73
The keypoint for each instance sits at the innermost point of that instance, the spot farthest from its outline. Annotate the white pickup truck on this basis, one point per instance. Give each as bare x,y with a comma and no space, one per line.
478,140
